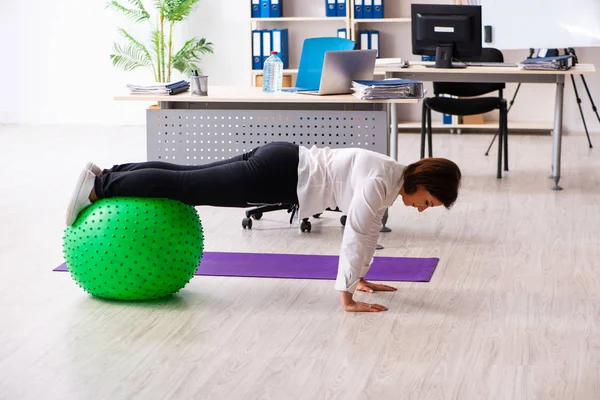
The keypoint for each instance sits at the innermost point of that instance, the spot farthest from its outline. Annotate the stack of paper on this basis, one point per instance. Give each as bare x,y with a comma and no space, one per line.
160,88
561,63
387,89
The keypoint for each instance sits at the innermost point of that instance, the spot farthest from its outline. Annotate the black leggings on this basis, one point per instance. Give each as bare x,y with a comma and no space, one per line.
266,175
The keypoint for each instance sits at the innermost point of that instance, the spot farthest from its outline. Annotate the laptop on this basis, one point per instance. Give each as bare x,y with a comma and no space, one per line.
340,68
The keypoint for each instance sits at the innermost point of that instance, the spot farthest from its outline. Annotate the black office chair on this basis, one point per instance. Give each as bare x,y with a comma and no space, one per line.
469,105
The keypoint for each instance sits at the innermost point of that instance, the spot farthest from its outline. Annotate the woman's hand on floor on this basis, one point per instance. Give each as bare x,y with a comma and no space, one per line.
370,287
357,306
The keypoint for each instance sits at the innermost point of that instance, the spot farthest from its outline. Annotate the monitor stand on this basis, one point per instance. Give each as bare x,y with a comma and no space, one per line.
443,57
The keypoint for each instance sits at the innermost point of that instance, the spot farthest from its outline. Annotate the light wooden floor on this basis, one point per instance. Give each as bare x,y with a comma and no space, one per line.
512,312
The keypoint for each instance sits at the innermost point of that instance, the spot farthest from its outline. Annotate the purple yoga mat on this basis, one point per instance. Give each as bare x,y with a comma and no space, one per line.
299,266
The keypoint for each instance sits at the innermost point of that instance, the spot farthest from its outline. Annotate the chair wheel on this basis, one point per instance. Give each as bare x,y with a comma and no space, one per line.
247,223
317,215
343,220
257,215
305,226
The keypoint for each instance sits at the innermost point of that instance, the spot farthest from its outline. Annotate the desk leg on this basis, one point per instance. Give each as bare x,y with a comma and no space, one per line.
557,131
393,121
393,111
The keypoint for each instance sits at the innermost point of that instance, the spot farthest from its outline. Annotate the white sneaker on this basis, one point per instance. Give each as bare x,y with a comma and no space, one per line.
80,198
96,170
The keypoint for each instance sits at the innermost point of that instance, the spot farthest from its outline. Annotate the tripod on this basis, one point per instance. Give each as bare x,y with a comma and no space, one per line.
569,51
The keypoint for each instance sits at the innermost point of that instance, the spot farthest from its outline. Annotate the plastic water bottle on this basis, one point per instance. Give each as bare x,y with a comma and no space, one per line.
273,73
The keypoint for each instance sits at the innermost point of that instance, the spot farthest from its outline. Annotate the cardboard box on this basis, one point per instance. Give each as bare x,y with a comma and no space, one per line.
473,119
287,81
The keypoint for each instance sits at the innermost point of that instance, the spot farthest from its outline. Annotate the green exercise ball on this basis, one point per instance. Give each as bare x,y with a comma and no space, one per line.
129,248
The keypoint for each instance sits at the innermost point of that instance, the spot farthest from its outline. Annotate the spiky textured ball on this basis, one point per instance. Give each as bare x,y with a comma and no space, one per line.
134,248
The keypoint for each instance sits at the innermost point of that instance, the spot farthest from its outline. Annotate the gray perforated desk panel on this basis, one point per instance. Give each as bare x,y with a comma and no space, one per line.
186,135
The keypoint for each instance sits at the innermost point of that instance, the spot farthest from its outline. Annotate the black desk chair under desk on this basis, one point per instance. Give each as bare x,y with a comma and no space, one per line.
468,104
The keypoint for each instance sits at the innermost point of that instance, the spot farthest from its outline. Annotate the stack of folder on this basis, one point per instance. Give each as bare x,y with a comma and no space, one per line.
368,9
561,63
160,88
266,8
264,41
335,8
369,39
387,89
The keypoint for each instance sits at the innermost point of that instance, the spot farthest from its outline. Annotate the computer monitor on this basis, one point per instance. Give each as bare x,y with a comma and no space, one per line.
446,32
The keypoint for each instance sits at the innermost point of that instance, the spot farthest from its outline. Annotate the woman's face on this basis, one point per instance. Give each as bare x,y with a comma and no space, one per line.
421,199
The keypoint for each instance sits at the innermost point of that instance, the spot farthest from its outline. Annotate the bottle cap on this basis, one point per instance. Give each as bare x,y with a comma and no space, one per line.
273,52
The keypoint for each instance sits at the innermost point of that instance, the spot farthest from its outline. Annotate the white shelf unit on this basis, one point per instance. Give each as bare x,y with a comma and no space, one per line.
307,19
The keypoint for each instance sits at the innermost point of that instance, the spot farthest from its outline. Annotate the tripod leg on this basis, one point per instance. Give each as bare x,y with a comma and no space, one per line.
593,105
580,109
491,144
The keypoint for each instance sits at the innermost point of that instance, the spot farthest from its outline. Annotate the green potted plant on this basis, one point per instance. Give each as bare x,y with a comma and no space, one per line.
160,56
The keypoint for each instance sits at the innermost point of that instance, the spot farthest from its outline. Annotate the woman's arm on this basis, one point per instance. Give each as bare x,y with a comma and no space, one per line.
360,239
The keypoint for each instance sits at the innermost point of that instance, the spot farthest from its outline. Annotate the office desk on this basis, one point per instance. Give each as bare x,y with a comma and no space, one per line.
192,129
420,72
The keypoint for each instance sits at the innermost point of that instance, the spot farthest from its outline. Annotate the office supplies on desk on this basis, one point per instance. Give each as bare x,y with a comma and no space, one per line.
377,8
341,8
279,43
257,49
358,9
340,68
387,89
560,63
160,88
255,7
265,8
199,84
275,9
331,8
367,8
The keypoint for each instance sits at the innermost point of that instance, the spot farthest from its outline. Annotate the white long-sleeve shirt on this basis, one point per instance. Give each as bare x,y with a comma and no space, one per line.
362,184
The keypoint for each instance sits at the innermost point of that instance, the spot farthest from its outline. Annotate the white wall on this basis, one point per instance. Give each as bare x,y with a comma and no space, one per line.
56,70
56,67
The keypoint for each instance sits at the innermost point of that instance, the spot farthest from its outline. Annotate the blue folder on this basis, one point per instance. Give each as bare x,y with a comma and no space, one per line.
331,8
257,49
342,33
364,40
358,9
266,45
341,8
275,9
255,8
367,8
265,8
377,8
374,40
279,43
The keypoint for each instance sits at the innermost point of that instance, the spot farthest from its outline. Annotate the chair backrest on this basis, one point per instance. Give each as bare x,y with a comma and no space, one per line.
313,56
488,54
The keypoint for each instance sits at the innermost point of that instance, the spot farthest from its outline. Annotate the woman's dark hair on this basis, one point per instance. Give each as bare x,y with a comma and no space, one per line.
438,176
